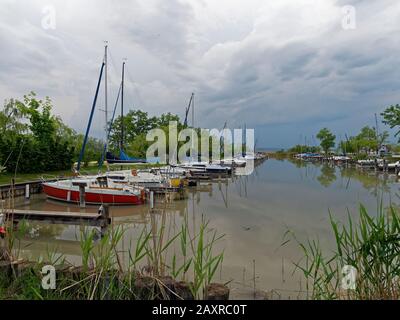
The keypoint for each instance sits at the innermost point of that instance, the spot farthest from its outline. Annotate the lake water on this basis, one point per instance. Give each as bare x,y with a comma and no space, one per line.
253,212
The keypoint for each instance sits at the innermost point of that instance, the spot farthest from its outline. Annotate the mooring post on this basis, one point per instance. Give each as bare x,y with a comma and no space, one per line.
27,191
104,211
151,200
81,185
82,196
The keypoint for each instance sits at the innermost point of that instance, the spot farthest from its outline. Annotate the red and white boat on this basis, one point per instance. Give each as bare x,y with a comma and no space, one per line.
98,190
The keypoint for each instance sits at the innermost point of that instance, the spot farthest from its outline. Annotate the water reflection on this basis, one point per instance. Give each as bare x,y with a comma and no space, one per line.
327,176
253,212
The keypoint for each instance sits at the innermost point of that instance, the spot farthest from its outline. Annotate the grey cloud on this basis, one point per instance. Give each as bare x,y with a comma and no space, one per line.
243,71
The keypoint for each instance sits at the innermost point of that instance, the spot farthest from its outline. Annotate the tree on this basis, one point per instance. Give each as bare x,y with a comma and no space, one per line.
327,140
31,140
367,140
137,124
10,118
391,117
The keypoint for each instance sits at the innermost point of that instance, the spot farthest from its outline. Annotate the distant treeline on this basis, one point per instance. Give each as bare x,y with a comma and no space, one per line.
369,139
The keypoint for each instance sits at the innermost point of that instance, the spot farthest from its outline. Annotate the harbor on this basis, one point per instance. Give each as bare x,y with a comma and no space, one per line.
204,156
252,211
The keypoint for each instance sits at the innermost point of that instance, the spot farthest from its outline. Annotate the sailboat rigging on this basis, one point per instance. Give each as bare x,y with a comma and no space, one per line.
123,157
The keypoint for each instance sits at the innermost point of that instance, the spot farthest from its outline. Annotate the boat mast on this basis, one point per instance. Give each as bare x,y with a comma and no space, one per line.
106,89
193,146
188,109
122,106
90,118
109,129
193,111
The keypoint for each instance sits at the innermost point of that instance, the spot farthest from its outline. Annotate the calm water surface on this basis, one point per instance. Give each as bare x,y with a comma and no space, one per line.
253,212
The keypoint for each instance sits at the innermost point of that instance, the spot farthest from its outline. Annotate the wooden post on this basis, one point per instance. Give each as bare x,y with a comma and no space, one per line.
82,201
27,191
81,185
105,211
151,200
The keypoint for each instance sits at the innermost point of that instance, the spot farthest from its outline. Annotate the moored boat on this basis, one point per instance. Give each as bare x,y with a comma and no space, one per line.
203,167
98,190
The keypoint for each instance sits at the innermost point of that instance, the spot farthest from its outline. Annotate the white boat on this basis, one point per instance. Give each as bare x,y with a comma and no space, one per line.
141,178
391,166
98,190
341,158
204,167
233,162
369,162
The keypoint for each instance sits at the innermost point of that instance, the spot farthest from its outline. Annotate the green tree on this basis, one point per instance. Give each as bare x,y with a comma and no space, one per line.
391,117
327,140
10,118
367,140
31,140
137,124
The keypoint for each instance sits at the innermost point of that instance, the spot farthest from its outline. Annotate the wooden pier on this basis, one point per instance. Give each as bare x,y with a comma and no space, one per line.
23,189
97,219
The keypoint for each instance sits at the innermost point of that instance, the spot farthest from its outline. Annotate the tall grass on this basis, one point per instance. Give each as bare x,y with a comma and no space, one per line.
103,275
371,246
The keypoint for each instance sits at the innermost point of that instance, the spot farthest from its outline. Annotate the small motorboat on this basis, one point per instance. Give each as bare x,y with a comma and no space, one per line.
233,162
390,166
98,190
204,167
341,158
369,162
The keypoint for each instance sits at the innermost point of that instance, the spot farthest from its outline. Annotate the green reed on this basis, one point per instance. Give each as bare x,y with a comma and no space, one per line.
102,274
371,246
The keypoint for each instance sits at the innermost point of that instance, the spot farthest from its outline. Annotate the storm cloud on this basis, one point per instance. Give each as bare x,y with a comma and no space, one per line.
285,68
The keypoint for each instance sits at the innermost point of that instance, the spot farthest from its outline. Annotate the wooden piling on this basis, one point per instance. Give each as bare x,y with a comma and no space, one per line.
82,201
151,200
27,191
82,186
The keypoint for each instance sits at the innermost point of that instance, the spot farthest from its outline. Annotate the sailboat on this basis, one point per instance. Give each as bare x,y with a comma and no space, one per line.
98,189
123,157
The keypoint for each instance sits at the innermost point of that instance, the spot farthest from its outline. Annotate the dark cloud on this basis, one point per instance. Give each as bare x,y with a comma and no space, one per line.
269,64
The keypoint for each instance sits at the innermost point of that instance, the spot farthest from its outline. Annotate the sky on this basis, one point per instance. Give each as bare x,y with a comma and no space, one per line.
285,68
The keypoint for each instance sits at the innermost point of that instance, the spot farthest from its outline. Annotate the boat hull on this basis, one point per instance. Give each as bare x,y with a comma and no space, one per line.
91,197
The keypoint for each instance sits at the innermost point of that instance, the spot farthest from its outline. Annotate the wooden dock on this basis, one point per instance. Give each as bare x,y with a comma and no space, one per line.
96,219
23,189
